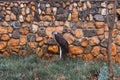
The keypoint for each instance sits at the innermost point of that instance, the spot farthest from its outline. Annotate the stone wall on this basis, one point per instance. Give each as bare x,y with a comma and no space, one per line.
26,27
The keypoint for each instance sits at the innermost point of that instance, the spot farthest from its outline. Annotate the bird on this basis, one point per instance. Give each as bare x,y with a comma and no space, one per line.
62,44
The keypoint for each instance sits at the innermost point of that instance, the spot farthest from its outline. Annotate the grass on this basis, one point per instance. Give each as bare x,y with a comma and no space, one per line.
33,68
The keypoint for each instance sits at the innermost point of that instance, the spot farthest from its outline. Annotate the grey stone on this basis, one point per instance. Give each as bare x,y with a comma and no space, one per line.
16,34
41,32
44,49
31,37
43,7
36,17
89,32
16,24
104,43
52,24
88,49
16,10
2,17
61,17
99,17
60,11
73,25
57,5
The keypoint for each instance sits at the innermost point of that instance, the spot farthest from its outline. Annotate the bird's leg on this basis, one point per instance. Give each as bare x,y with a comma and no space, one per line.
60,52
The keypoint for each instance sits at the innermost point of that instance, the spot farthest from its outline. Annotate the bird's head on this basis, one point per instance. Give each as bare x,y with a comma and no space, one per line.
54,32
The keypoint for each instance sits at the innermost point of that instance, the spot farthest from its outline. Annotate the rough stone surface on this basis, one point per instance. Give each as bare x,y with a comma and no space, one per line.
2,45
53,49
94,41
69,37
13,42
5,37
89,32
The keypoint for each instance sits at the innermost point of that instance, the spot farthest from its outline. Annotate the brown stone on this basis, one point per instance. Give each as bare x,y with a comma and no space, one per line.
69,37
84,42
78,33
49,30
23,11
100,31
114,50
95,50
115,32
74,15
38,39
117,58
110,6
10,29
13,42
100,57
87,57
2,45
3,30
75,50
118,11
5,37
33,8
117,39
53,49
24,30
48,10
6,54
118,24
4,23
99,24
14,48
103,51
7,17
29,18
13,16
94,41
32,44
47,18
106,28
23,40
106,34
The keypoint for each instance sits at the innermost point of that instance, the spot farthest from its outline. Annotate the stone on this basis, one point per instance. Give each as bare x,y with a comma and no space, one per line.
117,39
106,34
16,10
40,53
54,9
7,17
74,15
48,10
106,28
13,49
110,6
60,11
53,49
87,49
101,37
2,17
70,38
103,4
6,54
94,41
87,57
32,44
27,10
46,23
103,12
13,42
38,38
21,18
13,17
43,7
31,37
41,31
5,37
118,11
98,17
50,41
117,58
99,24
76,42
78,33
5,24
15,24
118,25
24,30
16,34
47,18
23,40
36,16
34,28
84,6
113,49
89,32
29,18
84,42
104,43
95,51
2,45
10,29
76,50
103,51
49,30
69,17
21,5
100,57
23,11
115,32
89,5
3,30
100,31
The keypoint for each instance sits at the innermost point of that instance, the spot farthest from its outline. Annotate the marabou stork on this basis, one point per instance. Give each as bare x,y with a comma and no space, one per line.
62,43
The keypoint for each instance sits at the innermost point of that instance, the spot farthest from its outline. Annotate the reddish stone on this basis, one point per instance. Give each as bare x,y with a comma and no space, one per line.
5,37
24,30
87,57
84,42
114,50
2,45
53,49
95,50
13,42
23,40
99,24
